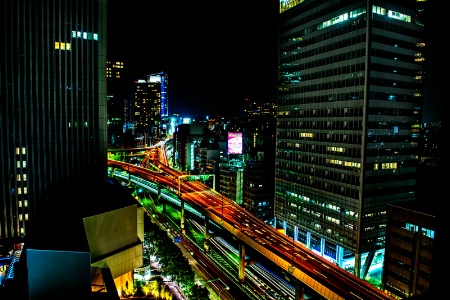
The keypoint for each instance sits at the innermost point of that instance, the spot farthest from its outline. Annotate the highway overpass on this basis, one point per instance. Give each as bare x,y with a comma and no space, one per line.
303,266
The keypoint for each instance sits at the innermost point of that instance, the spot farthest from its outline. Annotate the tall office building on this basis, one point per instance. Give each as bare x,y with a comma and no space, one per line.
258,188
52,104
349,112
151,108
116,101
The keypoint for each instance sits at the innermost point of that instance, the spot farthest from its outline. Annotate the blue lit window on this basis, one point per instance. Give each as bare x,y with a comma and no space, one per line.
85,35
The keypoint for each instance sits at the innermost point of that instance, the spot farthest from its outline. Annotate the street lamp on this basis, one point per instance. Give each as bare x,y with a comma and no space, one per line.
225,288
212,280
221,220
220,291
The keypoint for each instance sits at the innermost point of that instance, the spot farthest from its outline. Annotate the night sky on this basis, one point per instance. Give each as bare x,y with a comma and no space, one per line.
218,54
215,54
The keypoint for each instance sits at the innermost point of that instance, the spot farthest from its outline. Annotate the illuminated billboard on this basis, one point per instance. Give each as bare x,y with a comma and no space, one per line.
234,142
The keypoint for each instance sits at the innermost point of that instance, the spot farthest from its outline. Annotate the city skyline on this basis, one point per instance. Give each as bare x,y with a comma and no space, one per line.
347,137
215,61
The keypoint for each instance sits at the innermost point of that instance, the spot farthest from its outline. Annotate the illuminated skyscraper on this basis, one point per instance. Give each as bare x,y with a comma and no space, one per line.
349,113
151,108
52,103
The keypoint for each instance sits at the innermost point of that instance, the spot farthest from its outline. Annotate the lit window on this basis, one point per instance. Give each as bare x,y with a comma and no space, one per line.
25,202
20,203
386,166
56,45
23,150
18,177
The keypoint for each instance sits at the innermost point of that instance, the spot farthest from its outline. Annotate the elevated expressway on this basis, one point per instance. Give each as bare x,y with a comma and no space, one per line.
304,267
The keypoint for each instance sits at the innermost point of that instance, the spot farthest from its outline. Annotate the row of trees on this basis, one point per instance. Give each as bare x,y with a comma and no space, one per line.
174,267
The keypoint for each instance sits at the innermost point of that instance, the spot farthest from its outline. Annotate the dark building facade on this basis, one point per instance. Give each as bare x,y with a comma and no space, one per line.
259,189
410,241
52,104
117,99
350,97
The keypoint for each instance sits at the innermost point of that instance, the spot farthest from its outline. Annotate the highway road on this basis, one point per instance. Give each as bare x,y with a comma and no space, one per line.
309,268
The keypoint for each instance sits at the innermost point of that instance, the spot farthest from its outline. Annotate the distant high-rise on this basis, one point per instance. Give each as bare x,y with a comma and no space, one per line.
349,114
151,108
117,100
52,104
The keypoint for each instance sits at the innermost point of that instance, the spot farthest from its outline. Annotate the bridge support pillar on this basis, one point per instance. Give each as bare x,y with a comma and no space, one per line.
183,230
299,291
158,197
207,236
163,202
241,262
357,265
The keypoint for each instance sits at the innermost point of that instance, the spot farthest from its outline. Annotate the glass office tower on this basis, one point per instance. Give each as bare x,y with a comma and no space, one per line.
151,109
52,104
349,111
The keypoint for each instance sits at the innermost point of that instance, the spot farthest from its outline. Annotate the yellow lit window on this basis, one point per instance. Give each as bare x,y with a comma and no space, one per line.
63,46
386,166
